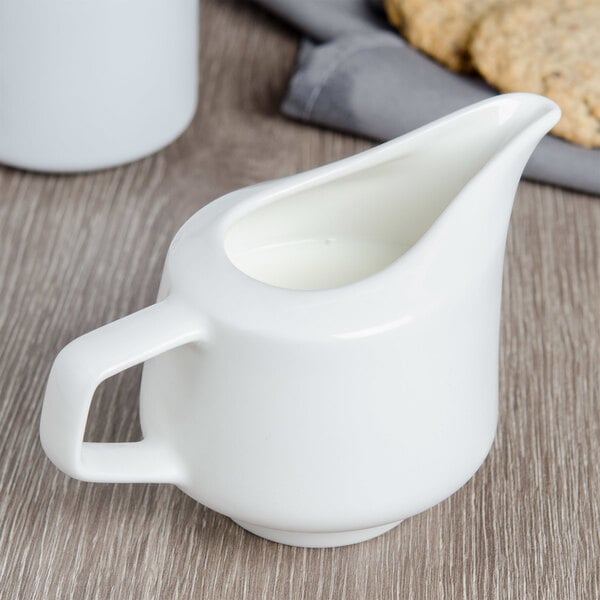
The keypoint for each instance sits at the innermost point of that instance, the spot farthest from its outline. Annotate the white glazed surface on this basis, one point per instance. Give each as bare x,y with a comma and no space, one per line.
92,84
321,415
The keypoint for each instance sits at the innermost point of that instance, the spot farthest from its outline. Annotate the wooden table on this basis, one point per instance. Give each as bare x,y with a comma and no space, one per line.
79,251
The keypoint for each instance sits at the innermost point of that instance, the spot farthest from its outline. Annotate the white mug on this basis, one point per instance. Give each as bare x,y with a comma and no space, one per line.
90,84
323,358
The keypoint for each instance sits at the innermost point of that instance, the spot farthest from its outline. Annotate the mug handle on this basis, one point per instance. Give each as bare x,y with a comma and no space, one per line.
76,373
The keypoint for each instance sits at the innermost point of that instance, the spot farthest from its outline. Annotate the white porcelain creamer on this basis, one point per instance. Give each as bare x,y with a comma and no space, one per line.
323,358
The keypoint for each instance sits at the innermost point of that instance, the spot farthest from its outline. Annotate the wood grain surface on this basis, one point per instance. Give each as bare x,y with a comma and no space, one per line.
79,251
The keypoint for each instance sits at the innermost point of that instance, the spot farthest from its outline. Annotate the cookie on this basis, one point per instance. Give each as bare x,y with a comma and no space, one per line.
441,28
550,47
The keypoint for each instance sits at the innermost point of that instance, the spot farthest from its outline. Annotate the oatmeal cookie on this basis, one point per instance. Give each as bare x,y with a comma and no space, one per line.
550,47
441,28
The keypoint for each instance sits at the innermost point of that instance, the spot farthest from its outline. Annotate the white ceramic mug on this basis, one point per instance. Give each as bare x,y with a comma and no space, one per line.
89,84
323,359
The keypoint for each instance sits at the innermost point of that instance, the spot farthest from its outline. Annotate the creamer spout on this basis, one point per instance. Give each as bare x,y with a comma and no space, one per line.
519,123
476,157
503,136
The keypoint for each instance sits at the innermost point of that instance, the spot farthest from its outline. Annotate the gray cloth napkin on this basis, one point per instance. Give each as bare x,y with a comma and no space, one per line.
357,75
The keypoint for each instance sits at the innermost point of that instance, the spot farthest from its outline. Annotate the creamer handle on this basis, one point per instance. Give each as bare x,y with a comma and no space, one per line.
78,370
